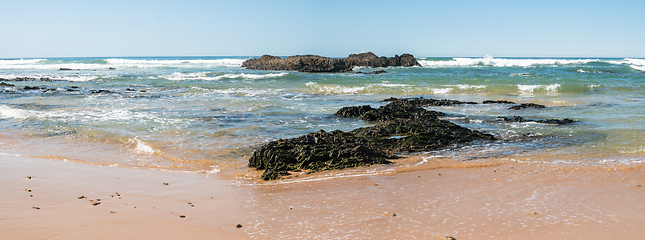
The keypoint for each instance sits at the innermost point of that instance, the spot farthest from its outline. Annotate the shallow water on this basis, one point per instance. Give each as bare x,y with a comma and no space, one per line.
207,114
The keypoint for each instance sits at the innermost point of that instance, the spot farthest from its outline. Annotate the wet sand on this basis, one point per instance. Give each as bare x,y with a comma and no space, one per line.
505,201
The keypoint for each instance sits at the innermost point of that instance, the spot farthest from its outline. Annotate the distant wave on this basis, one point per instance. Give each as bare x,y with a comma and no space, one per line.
116,63
143,63
177,76
499,62
638,64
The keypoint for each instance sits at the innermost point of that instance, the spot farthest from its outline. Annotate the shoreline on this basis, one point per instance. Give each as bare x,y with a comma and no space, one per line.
532,200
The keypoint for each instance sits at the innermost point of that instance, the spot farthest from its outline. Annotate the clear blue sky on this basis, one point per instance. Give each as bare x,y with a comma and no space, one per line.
32,28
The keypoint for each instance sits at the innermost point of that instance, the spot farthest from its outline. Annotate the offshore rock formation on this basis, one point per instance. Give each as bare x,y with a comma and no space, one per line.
402,125
314,63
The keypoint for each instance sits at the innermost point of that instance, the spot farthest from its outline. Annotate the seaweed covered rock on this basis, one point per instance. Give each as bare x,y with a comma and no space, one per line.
414,135
394,110
314,152
402,126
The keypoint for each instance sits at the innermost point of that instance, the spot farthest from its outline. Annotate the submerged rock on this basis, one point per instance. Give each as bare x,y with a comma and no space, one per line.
402,125
315,63
526,105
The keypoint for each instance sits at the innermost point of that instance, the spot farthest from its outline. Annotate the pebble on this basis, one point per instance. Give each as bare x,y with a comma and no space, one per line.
239,226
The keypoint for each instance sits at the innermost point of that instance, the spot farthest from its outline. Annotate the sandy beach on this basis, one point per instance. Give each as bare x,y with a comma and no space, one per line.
47,199
499,201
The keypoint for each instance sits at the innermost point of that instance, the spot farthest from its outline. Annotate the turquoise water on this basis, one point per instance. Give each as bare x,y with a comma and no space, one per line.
206,113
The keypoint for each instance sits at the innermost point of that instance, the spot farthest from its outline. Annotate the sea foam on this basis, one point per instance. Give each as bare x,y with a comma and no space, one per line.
499,62
177,76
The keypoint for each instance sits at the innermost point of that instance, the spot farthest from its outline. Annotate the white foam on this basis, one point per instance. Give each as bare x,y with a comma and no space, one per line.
141,147
466,86
120,63
9,112
177,76
638,64
8,64
533,88
394,85
499,62
441,90
140,63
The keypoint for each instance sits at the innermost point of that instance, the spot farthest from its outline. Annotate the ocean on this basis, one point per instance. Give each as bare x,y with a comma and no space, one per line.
206,114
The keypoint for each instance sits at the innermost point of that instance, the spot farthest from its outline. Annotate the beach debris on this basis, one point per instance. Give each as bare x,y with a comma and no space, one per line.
31,195
314,63
322,151
238,226
165,184
393,214
182,216
95,202
526,105
28,190
81,197
36,207
450,238
28,177
112,212
639,186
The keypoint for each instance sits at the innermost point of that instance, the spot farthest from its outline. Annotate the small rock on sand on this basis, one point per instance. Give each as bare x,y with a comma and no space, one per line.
239,226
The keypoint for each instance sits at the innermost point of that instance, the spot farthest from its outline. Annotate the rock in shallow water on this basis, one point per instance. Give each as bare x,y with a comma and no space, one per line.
403,125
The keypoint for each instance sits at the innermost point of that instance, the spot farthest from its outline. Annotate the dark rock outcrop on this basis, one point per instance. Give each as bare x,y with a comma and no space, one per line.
544,121
497,102
423,102
314,63
526,105
402,125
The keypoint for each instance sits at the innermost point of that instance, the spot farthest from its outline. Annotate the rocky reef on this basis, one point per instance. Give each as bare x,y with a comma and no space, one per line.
553,121
403,125
314,63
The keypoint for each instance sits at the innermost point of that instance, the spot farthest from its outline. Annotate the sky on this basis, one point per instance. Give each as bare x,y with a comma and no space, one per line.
457,28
